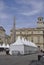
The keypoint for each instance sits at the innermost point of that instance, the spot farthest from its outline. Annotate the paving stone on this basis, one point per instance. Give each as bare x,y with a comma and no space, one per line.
35,62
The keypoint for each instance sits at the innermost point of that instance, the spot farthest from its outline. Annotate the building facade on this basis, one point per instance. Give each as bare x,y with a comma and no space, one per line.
4,38
2,35
35,35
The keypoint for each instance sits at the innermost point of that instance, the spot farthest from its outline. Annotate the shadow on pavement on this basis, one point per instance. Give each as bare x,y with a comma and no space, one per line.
36,62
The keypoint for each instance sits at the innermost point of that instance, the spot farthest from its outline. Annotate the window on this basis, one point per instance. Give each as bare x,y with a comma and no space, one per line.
40,19
38,39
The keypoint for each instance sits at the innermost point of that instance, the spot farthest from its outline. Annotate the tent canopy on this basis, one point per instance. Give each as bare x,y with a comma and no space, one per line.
4,46
23,41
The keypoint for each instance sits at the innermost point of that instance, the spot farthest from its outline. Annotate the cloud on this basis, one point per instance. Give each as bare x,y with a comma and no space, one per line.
37,8
30,7
4,16
22,1
30,13
27,2
2,6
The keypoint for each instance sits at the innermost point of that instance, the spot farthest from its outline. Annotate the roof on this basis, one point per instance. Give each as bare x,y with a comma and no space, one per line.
29,29
1,28
20,41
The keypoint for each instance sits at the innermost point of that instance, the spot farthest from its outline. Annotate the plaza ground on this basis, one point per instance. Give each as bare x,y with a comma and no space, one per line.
17,60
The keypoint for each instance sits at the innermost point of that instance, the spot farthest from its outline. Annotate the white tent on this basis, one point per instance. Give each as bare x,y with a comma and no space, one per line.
18,42
0,46
7,46
4,45
17,46
29,43
22,46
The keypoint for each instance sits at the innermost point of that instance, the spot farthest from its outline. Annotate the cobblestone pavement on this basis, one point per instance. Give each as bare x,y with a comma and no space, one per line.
35,62
17,60
38,62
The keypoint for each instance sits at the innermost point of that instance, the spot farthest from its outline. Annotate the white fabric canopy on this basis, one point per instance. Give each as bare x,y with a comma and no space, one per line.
22,45
20,41
4,46
0,45
7,46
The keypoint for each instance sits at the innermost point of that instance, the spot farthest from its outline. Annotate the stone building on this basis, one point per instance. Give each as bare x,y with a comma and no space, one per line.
2,35
4,38
35,35
7,39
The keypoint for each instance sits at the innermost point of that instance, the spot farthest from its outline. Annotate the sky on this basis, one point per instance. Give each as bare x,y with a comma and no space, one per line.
25,12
